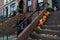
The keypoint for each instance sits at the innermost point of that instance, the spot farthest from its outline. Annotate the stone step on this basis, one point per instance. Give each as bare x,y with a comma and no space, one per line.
44,37
51,27
54,32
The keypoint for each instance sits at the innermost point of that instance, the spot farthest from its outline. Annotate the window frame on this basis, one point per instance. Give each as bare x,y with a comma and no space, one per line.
12,6
29,6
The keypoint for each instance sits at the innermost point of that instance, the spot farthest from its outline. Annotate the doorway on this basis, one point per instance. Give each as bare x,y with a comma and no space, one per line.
21,6
6,12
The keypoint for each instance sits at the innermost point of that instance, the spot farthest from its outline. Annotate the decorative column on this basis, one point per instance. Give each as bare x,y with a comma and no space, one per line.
34,2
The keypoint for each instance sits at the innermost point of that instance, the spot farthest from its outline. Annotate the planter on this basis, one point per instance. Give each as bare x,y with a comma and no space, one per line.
50,9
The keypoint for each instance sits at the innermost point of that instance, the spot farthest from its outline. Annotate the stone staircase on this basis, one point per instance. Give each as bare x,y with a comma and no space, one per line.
50,30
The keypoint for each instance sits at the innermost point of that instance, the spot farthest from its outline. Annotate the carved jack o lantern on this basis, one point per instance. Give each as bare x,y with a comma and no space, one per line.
38,28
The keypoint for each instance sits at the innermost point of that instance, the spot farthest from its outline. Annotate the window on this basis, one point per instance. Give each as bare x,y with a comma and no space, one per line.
29,5
40,5
6,11
7,1
40,1
12,8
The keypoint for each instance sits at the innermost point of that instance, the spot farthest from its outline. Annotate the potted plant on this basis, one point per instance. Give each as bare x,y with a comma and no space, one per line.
18,10
14,13
49,9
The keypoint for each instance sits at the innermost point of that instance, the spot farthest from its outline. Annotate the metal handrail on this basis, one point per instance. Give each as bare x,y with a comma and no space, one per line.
32,13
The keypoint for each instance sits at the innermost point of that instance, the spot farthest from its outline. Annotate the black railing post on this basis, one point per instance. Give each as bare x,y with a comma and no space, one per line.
7,36
3,37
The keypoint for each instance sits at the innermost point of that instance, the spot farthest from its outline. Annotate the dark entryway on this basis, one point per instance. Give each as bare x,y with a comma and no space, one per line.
55,3
21,6
6,11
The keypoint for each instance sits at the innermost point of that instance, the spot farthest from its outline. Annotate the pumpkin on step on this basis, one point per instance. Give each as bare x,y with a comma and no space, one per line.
44,17
34,32
55,9
47,13
41,22
38,28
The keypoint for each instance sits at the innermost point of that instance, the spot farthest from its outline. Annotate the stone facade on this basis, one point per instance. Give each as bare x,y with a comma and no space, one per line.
5,6
33,5
1,4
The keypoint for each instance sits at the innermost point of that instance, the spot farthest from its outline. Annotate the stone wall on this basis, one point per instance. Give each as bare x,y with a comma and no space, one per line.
1,4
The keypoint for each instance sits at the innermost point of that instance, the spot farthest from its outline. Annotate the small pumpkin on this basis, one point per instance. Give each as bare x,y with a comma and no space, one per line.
38,28
34,32
55,9
48,12
55,36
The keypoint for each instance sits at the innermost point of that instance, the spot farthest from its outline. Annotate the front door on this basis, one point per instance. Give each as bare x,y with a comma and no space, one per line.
21,6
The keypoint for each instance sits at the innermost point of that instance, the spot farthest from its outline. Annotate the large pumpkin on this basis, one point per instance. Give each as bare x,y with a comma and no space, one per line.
47,13
44,17
38,28
41,22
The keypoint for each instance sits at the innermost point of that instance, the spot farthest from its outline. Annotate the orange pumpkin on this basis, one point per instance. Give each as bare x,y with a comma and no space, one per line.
55,9
44,17
34,32
41,23
48,12
38,28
